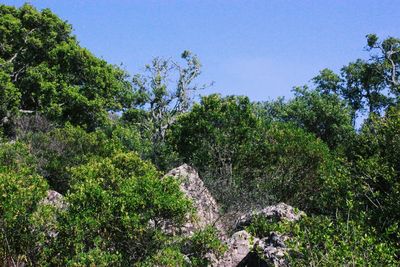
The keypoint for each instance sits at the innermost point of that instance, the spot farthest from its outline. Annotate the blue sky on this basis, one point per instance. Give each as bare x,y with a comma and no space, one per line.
256,48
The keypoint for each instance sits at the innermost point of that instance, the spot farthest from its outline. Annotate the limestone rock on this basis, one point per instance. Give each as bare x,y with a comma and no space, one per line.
272,249
54,199
243,249
207,211
277,212
246,250
239,246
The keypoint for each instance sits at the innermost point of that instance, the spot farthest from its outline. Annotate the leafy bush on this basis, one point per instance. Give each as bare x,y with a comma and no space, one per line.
61,148
201,244
168,257
249,163
111,204
377,168
321,241
20,192
325,115
212,138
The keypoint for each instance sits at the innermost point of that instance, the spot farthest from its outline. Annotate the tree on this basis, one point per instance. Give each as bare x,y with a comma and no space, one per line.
327,82
364,87
211,137
43,69
316,111
377,167
162,100
388,60
367,85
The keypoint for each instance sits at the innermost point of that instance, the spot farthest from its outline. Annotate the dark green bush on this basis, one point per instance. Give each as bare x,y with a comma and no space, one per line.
321,241
61,148
248,163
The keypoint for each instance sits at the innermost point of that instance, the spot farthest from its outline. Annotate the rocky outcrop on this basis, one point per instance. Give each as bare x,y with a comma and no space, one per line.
207,211
247,250
239,246
243,248
272,213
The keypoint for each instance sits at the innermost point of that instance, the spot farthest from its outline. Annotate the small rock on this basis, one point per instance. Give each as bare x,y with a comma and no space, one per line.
277,212
54,199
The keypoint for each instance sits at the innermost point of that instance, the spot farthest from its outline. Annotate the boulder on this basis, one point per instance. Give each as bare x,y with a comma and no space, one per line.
56,201
273,213
239,246
207,210
247,250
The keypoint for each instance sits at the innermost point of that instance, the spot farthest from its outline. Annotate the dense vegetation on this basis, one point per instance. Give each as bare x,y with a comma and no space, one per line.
73,123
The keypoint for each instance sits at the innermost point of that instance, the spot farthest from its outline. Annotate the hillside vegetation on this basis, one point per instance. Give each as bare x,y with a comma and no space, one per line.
75,124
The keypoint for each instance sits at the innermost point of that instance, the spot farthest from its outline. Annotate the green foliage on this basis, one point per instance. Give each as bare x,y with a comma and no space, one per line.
81,125
320,113
368,86
321,241
292,164
189,251
248,163
49,72
111,204
168,257
378,170
364,86
20,192
9,95
62,148
15,156
387,60
204,242
212,137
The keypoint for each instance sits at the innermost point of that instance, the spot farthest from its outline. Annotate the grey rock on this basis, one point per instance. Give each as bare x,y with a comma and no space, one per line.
54,199
277,212
243,249
239,246
207,210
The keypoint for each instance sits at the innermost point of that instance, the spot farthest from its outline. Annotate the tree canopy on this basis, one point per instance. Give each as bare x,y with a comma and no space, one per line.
44,69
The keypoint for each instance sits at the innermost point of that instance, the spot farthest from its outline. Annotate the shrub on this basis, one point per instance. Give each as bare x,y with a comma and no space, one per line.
20,193
202,244
321,241
112,202
61,148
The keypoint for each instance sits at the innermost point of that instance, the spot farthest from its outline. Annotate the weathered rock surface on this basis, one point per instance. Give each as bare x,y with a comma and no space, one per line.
272,250
245,250
207,211
277,212
54,199
239,246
